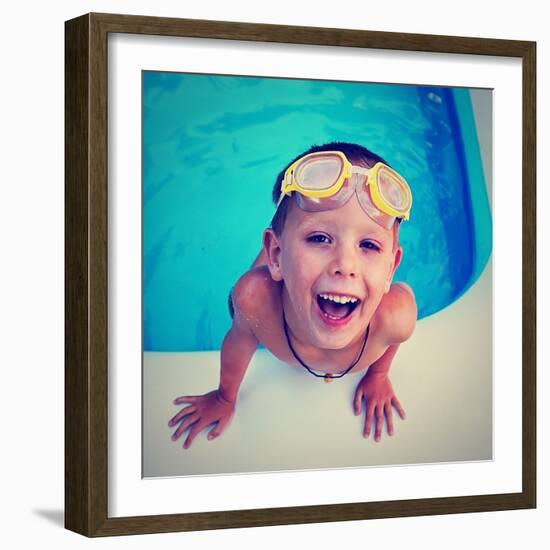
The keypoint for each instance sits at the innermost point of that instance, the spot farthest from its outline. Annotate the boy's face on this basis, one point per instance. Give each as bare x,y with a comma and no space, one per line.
336,266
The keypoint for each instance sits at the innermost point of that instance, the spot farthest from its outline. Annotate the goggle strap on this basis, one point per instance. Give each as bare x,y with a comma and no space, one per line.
360,170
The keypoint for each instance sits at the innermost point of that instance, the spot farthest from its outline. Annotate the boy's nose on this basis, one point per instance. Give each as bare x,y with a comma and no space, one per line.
344,263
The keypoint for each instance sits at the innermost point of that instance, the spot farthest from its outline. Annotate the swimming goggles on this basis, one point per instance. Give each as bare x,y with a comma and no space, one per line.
326,180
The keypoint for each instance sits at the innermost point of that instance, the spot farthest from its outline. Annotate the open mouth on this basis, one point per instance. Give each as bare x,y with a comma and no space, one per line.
337,307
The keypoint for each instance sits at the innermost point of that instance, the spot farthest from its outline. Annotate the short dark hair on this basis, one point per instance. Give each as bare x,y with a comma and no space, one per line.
356,154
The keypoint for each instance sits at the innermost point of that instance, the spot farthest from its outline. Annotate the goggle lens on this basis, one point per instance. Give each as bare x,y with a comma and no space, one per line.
315,204
392,190
365,200
318,173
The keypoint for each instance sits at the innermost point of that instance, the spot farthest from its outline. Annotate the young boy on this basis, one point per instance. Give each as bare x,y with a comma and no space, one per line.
320,295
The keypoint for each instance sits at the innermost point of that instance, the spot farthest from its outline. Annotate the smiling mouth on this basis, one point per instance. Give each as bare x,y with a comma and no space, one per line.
337,307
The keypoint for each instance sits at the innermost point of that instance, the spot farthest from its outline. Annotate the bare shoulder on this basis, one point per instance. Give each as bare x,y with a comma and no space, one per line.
397,313
255,294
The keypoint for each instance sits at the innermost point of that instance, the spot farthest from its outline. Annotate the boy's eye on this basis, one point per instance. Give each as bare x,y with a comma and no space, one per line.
319,238
369,245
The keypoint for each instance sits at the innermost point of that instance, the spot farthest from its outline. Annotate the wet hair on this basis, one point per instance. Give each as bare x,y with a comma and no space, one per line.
356,154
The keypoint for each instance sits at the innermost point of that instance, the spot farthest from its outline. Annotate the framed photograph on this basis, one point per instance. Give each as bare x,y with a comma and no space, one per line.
300,274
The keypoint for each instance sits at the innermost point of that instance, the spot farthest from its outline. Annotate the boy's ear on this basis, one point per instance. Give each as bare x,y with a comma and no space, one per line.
398,256
272,249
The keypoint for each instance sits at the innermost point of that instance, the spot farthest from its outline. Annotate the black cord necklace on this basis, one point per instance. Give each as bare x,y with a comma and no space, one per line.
327,377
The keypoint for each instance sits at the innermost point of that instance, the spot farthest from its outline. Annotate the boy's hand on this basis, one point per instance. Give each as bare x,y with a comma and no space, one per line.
379,397
203,410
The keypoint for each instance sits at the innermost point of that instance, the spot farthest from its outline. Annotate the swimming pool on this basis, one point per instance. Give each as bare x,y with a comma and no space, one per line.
213,146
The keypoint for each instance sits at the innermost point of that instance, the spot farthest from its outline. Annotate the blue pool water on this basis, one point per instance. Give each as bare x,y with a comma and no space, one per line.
213,146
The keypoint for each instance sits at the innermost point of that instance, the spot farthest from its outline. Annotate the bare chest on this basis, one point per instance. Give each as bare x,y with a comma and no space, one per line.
276,342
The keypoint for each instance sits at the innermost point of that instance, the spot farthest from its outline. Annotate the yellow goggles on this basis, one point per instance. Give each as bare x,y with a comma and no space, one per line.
326,180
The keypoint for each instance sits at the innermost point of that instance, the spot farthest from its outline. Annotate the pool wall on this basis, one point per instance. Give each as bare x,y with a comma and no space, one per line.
467,135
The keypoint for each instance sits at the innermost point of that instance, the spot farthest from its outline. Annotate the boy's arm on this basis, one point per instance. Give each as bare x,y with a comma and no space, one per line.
218,406
398,322
238,348
383,364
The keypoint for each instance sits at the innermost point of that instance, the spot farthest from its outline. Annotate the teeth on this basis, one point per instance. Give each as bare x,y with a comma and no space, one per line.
339,299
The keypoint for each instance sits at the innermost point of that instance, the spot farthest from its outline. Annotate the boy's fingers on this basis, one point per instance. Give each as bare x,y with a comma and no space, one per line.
185,399
357,400
368,419
389,418
184,425
219,428
398,407
379,421
214,432
195,430
181,414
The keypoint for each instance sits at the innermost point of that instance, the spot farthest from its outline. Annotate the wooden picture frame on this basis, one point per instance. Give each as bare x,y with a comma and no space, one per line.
86,282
